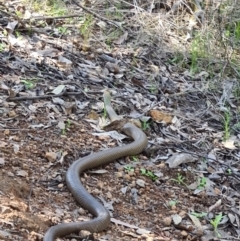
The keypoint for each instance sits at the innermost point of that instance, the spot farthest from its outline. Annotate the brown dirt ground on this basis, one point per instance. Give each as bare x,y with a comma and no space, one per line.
31,203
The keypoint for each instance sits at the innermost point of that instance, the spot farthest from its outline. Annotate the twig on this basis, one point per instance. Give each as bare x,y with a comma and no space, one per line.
42,96
116,24
52,18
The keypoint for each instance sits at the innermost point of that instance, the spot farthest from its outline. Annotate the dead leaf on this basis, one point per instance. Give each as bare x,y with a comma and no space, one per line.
2,161
22,173
100,171
58,90
113,68
229,144
64,62
179,158
62,157
121,39
160,116
51,156
11,26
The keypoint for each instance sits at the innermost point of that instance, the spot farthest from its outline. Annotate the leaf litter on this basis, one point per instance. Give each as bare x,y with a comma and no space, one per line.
45,126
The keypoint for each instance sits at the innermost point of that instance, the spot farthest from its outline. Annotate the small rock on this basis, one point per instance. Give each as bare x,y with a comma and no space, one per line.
167,221
22,173
4,235
100,184
124,189
6,132
142,231
51,156
12,113
177,219
119,174
109,195
182,214
2,161
60,185
140,183
96,191
127,177
81,211
84,233
184,233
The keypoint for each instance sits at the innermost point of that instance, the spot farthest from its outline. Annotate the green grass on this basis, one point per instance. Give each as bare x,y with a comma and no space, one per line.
226,125
199,215
48,7
198,51
149,174
202,183
180,180
67,125
29,83
86,26
129,168
172,203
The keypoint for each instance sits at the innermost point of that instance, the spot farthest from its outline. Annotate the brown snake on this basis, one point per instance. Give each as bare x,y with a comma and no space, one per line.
88,202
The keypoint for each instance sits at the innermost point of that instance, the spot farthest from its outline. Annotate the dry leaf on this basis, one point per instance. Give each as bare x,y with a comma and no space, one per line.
22,173
62,157
58,90
121,39
160,116
51,156
179,158
229,144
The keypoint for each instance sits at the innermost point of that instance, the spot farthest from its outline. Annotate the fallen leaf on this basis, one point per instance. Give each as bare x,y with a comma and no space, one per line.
229,144
58,90
22,173
62,157
160,116
51,156
121,39
179,158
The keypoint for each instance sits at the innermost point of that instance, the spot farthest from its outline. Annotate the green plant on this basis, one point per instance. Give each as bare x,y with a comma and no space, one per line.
116,14
198,51
86,26
29,83
66,126
199,215
180,180
145,125
50,7
105,112
63,30
172,203
229,171
113,35
226,124
202,183
215,222
129,168
148,173
135,158
2,47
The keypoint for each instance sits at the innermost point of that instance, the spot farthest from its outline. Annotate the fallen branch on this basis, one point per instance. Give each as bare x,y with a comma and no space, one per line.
42,96
116,24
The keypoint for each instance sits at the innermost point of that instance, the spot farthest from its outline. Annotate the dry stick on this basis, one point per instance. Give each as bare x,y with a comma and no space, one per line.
14,16
52,18
42,96
116,24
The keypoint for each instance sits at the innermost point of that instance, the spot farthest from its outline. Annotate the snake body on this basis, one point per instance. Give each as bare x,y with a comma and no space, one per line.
102,217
